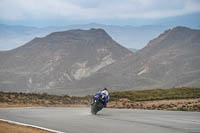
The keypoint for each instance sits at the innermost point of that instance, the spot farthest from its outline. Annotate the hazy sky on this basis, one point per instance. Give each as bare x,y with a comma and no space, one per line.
121,12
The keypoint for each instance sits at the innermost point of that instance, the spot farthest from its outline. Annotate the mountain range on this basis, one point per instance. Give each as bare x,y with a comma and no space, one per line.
129,36
79,62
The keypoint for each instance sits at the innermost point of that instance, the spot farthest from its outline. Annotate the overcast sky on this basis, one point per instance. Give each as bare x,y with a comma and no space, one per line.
121,12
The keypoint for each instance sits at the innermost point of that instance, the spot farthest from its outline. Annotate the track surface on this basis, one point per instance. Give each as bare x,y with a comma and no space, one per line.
79,120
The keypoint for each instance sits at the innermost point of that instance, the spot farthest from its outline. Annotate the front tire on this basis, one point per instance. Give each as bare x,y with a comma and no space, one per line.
94,109
96,106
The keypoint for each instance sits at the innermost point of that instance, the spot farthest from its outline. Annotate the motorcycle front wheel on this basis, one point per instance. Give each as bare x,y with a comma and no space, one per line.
94,109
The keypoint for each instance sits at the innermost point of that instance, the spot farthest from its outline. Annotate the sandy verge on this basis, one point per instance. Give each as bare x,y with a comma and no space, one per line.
6,127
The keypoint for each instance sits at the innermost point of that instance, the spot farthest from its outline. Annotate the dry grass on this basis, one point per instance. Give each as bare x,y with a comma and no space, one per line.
157,94
6,127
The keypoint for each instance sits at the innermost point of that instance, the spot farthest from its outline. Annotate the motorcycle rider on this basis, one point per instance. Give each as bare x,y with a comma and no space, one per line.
105,95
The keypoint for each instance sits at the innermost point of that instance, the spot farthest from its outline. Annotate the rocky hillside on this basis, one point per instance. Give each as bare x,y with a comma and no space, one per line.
60,62
170,60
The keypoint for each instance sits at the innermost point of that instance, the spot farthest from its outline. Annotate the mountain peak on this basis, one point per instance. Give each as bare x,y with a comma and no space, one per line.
97,30
178,36
79,33
180,28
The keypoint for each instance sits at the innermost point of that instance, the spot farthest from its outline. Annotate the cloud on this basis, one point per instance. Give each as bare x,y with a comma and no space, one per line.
13,10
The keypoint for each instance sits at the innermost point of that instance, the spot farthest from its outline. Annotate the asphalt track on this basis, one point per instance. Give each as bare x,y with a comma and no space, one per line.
79,120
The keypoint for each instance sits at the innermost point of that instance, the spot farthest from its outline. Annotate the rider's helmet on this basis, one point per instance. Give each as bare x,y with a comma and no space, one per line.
105,89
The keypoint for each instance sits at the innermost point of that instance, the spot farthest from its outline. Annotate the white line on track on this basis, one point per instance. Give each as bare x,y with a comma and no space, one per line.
29,125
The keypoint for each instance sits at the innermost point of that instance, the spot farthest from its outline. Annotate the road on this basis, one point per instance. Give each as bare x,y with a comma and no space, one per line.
79,120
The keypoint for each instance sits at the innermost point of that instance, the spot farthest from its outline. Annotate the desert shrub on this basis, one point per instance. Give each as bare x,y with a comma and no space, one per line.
2,100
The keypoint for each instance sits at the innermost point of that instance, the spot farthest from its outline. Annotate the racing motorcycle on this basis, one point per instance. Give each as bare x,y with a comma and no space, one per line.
97,104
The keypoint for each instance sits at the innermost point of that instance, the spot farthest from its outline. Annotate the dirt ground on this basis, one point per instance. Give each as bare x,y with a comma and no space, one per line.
6,127
175,104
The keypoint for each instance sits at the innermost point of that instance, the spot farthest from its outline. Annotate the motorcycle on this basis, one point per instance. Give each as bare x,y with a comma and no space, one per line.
97,104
